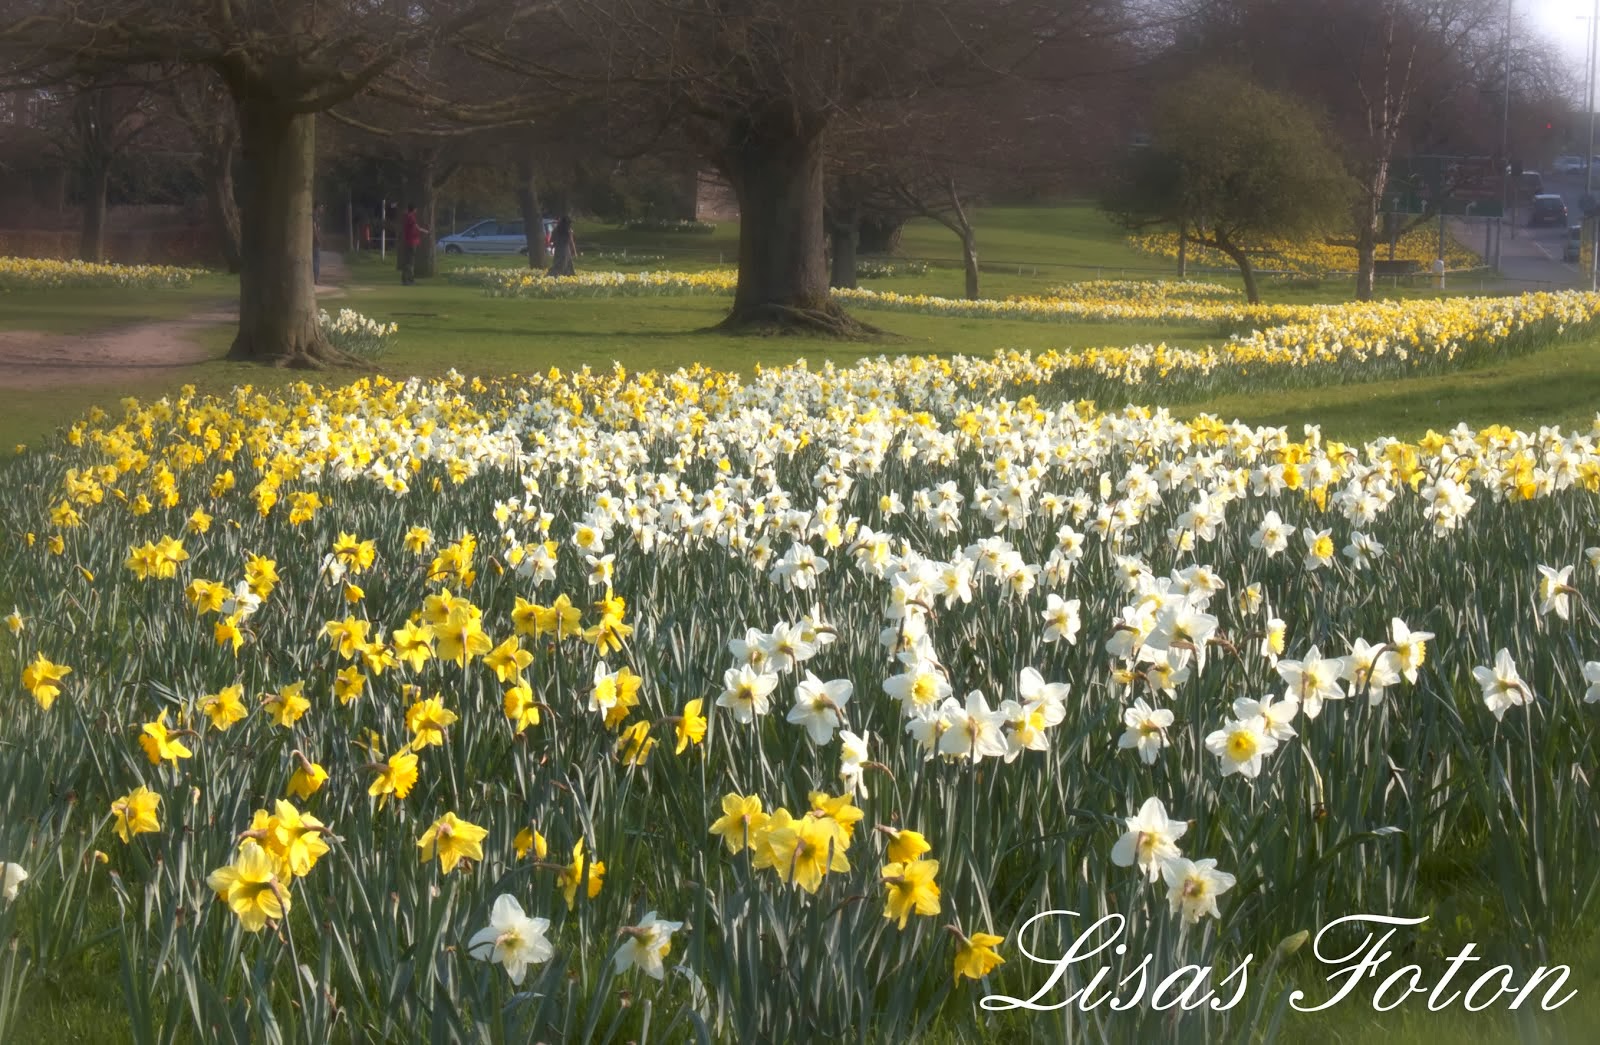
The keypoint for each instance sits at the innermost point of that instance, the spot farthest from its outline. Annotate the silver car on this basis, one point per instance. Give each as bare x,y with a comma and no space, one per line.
493,237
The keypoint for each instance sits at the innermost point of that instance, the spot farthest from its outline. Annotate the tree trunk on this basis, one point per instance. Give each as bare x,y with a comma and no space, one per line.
962,227
1251,293
776,170
969,262
1368,215
92,234
532,213
880,234
842,234
220,203
419,189
1366,262
277,305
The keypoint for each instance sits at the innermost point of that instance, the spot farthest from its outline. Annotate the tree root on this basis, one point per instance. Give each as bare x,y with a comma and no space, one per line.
784,320
309,355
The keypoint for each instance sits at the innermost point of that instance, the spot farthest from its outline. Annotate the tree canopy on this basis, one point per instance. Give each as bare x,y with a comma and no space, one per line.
1232,163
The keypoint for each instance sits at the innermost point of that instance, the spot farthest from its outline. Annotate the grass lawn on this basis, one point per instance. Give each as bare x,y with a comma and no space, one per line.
445,326
84,310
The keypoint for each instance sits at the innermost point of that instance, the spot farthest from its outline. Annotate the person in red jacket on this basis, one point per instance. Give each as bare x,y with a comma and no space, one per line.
411,233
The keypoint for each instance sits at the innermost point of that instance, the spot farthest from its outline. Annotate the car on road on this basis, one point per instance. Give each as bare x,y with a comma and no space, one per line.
1569,165
1573,249
1547,210
493,237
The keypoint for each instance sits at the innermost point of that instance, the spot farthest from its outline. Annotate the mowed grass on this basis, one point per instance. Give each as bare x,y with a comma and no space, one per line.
88,309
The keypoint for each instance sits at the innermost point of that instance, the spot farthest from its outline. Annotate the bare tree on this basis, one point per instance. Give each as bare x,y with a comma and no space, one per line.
281,62
756,86
202,104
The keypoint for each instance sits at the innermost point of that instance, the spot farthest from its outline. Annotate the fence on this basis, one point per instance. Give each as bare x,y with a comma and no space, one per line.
184,245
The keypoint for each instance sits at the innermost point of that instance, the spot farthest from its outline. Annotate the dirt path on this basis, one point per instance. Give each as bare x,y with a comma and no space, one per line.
31,359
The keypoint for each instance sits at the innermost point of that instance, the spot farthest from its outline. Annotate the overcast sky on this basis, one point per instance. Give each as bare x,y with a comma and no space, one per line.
1560,20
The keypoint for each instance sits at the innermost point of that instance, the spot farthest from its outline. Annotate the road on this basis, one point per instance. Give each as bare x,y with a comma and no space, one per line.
1532,256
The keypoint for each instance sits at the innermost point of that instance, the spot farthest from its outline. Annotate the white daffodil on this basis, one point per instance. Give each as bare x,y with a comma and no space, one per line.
1061,620
1502,687
1272,536
819,707
512,939
1151,839
746,692
1241,744
974,731
646,946
1193,887
1554,591
1146,730
852,761
11,878
920,689
1312,680
1370,669
1275,714
1591,675
1411,646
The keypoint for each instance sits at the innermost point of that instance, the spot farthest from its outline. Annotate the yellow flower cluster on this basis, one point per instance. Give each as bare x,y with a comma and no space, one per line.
39,273
279,847
1313,257
1144,291
506,282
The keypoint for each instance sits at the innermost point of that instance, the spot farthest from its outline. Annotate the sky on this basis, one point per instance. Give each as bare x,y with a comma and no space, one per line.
1560,20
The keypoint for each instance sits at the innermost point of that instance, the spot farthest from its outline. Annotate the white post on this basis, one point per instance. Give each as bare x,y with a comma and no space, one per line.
383,230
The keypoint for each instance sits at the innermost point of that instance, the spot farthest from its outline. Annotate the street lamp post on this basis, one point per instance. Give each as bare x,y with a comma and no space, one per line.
1588,98
1508,195
1588,187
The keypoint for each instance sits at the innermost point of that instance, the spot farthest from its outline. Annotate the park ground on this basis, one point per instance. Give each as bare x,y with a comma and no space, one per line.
62,351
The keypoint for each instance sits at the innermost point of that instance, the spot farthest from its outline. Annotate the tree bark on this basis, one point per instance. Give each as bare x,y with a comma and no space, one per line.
277,304
223,208
842,234
1251,293
962,226
532,213
420,190
1368,214
880,234
92,234
775,168
969,262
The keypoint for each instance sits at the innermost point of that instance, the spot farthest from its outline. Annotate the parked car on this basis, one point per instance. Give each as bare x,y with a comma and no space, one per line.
1529,185
1573,250
1547,210
493,237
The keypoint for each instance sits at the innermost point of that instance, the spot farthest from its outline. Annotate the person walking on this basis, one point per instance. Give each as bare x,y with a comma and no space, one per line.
411,233
565,248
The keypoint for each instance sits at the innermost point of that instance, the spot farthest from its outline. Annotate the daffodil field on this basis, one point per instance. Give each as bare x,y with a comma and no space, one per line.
42,273
1312,258
684,706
